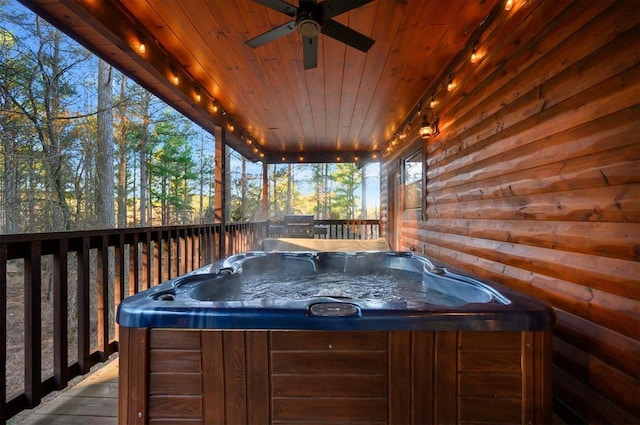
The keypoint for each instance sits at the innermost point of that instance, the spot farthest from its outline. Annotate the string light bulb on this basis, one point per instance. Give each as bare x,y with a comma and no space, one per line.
142,48
508,5
474,53
174,76
451,84
433,102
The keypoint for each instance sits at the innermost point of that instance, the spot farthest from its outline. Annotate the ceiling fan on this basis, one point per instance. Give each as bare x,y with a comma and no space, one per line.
310,19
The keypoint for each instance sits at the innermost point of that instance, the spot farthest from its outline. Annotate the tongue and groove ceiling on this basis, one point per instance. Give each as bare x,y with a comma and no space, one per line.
270,107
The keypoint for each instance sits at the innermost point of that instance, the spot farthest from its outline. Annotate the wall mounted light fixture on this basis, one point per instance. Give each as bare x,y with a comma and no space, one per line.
429,126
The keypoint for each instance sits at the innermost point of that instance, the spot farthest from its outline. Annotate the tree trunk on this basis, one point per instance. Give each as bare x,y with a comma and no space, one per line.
146,99
201,179
10,194
122,157
289,208
104,154
243,190
227,186
48,135
363,214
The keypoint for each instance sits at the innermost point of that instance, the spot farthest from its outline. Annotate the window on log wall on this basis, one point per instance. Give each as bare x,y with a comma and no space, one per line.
412,177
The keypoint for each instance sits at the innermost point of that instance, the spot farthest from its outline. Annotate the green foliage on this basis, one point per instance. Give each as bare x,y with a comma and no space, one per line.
345,203
172,170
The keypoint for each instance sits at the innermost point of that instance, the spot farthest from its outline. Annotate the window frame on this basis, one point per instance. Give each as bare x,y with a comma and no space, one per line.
413,205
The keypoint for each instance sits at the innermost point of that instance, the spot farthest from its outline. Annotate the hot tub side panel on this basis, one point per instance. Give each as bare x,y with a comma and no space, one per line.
234,377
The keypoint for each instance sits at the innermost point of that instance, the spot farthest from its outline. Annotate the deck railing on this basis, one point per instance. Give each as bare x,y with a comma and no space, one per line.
59,293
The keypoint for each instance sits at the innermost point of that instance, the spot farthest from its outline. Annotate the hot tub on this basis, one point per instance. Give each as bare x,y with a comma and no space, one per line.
331,337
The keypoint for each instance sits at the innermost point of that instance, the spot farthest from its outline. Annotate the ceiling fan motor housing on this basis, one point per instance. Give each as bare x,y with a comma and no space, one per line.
309,20
307,23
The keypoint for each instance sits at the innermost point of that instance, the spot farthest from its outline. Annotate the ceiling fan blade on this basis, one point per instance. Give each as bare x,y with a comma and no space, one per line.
280,6
346,35
310,52
331,8
271,35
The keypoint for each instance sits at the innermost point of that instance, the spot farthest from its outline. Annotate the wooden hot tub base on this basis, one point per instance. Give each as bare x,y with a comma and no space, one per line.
359,377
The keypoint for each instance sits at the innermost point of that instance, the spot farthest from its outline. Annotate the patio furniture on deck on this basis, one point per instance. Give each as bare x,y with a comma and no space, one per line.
298,226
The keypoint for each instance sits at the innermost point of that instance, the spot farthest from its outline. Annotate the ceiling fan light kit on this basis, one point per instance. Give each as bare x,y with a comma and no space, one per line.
311,19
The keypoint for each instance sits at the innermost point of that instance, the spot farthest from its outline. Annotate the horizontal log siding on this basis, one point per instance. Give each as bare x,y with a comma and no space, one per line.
534,183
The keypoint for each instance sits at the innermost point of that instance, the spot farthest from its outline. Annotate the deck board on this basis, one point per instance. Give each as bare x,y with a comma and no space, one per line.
94,400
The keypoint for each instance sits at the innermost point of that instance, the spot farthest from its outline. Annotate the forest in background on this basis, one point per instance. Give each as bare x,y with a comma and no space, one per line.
84,147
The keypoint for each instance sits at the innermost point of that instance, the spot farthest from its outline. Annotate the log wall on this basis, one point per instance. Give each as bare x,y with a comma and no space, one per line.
534,183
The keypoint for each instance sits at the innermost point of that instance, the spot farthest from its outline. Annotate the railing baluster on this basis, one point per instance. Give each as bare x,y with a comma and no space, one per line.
60,314
33,324
170,254
183,252
84,325
102,298
3,332
134,265
188,249
157,258
119,277
146,261
164,258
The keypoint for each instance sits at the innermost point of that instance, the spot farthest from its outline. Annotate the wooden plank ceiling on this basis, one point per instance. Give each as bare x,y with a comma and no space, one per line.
270,107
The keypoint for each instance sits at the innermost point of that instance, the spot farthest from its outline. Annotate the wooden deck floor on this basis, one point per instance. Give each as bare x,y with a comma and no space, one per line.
93,401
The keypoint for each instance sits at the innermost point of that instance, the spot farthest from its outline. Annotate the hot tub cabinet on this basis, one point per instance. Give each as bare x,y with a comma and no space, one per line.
204,360
260,377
